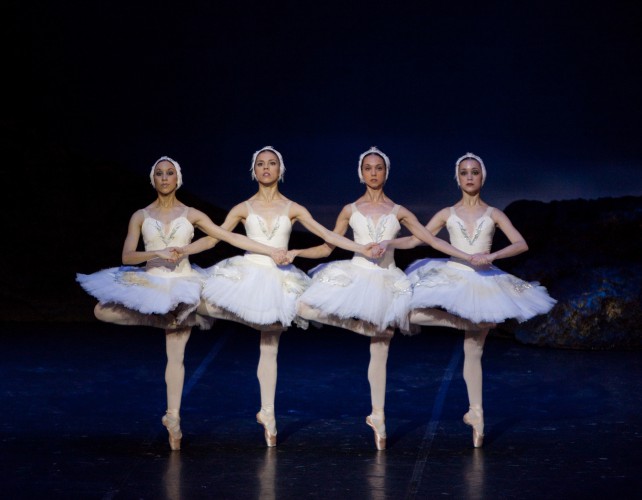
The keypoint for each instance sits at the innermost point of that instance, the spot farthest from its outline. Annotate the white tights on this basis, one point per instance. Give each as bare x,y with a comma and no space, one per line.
379,347
175,342
474,338
473,351
378,357
266,372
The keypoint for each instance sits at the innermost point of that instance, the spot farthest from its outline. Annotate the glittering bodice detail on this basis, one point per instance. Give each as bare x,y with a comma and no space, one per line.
275,233
366,230
158,235
480,240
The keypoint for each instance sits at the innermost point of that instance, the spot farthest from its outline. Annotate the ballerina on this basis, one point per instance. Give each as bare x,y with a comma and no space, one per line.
471,296
166,292
368,296
250,289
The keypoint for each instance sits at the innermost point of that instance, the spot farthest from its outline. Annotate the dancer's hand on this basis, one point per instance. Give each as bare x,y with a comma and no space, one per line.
177,253
280,256
168,254
383,247
291,255
371,250
481,259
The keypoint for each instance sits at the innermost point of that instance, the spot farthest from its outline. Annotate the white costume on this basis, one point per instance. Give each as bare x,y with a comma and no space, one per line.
161,294
375,292
478,294
252,289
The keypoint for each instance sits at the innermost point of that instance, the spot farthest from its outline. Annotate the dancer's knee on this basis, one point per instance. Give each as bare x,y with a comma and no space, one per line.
307,312
270,343
379,347
175,342
98,311
474,342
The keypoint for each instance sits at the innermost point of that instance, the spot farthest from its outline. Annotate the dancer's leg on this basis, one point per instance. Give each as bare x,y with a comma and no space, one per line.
119,315
175,342
473,351
267,374
353,324
205,309
438,317
379,347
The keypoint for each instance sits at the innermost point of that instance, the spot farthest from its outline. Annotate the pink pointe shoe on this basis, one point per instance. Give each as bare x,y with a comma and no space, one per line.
475,418
270,439
380,441
173,423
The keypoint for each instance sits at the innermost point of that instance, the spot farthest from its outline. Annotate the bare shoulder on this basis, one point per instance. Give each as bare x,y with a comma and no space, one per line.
194,213
501,219
296,210
442,214
404,213
496,214
346,209
240,209
344,215
139,215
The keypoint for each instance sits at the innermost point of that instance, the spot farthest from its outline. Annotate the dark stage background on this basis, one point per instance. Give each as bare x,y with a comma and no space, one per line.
546,92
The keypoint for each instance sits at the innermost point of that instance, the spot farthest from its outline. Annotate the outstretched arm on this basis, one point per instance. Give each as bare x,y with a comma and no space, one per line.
205,243
205,224
409,220
198,246
325,249
435,225
301,214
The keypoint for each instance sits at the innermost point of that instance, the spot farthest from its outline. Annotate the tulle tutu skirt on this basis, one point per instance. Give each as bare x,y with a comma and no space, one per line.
358,289
479,295
256,291
157,297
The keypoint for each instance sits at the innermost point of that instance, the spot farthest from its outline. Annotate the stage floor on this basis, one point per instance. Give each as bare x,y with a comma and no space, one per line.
82,407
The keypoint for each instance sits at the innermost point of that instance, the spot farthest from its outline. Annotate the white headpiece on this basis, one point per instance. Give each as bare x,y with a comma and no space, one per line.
373,151
472,157
278,155
179,175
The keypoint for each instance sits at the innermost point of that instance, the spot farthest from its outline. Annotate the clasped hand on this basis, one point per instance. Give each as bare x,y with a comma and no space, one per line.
375,250
481,259
170,254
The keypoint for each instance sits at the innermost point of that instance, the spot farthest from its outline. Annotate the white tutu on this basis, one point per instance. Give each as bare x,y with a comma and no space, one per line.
347,291
256,291
369,297
162,297
479,295
162,294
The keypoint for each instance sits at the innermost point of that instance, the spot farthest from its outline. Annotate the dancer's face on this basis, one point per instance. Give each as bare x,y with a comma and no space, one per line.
267,167
373,170
165,177
470,176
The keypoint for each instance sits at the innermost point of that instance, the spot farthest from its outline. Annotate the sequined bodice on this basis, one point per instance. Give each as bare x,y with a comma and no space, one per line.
366,230
480,240
158,235
274,233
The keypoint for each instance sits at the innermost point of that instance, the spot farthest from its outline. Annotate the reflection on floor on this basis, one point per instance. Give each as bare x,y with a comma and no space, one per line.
82,407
